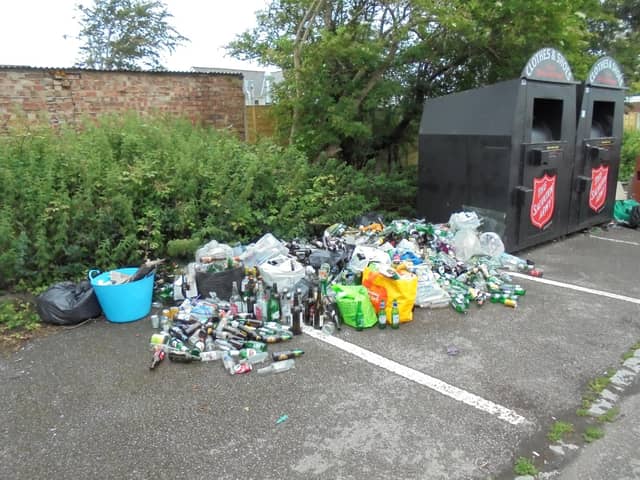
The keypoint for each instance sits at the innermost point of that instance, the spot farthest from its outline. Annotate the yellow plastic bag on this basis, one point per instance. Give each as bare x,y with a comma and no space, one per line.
404,289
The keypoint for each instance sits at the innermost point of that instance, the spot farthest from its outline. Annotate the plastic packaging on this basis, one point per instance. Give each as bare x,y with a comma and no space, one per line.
267,247
464,220
282,270
466,244
491,244
363,254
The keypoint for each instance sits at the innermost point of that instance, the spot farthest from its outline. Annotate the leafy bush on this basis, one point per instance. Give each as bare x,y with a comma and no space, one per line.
109,195
629,153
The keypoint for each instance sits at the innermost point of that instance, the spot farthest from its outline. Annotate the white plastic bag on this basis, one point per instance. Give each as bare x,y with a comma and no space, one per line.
216,252
491,244
283,270
363,254
466,244
464,220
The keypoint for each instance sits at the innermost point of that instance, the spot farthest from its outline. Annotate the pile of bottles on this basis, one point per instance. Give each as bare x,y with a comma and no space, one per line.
209,330
258,311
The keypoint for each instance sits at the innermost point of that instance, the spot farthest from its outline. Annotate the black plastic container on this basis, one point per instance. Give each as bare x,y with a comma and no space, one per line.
505,150
598,142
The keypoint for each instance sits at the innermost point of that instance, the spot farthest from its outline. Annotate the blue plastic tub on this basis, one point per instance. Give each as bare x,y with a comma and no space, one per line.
123,303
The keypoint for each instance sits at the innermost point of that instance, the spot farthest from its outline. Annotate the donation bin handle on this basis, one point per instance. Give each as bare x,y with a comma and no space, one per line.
582,183
522,194
599,154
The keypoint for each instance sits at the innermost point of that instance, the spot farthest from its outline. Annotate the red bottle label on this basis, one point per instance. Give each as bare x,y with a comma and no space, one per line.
544,200
598,192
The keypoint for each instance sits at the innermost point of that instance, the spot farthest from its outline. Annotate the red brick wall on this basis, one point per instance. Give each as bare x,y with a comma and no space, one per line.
66,96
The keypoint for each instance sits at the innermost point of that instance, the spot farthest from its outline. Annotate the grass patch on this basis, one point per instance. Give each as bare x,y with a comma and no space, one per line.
559,430
609,416
582,412
631,352
525,466
17,315
598,384
592,433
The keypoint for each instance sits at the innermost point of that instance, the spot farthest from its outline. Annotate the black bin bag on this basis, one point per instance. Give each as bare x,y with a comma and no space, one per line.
68,303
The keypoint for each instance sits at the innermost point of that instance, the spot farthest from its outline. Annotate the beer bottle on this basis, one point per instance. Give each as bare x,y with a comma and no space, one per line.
298,313
273,305
359,317
310,307
382,315
395,315
235,300
258,346
286,354
319,311
182,357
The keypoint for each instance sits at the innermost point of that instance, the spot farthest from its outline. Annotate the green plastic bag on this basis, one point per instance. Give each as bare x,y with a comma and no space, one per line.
627,212
348,297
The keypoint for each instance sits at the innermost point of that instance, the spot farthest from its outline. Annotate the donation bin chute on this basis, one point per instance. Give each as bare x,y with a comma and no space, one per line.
598,143
504,150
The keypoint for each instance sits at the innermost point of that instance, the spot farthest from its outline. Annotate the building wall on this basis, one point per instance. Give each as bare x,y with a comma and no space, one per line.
66,96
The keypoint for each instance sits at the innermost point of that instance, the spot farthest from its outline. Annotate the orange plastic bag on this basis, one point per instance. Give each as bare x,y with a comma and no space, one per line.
403,289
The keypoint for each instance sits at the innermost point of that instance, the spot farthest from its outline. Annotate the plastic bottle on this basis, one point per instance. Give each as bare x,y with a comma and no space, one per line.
395,315
278,367
228,362
382,315
211,356
258,357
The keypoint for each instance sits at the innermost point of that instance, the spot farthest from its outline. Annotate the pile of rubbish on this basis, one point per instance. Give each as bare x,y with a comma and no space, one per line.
232,302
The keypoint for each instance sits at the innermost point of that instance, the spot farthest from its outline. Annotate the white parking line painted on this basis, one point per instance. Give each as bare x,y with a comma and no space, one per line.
626,242
578,288
439,386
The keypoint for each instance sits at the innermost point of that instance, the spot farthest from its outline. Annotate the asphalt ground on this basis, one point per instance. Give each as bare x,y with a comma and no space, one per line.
376,404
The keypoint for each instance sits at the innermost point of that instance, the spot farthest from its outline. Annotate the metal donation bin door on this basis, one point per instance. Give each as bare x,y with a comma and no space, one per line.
542,194
598,142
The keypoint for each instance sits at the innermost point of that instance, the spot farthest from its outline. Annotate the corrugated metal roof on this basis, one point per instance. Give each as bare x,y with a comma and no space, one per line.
156,72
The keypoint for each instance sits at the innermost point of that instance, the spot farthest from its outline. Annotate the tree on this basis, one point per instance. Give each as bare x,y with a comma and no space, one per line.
357,72
617,33
126,34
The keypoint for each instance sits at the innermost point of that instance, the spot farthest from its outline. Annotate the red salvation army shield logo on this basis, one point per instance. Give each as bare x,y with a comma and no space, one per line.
544,200
598,192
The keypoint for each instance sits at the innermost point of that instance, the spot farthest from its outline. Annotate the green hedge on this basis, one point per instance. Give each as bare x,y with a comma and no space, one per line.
110,195
630,151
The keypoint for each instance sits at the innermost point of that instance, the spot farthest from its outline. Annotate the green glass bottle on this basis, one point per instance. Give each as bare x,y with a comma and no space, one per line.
259,346
359,318
382,315
273,305
395,315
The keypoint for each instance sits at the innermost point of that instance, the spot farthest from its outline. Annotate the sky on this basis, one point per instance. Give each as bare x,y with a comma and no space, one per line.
32,32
